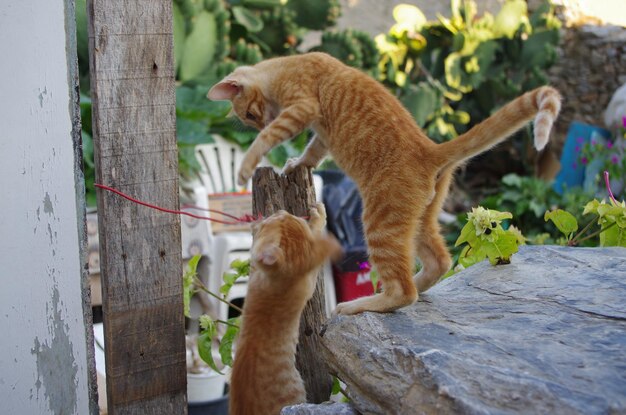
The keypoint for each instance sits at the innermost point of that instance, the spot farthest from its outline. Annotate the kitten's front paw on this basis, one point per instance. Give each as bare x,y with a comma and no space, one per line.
244,175
321,210
317,217
291,165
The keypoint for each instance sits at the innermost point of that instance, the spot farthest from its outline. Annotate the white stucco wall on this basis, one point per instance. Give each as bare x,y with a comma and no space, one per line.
43,340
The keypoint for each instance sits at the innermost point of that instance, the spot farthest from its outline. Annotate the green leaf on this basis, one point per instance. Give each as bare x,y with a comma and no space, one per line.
226,345
199,49
188,279
510,17
192,131
469,257
512,179
613,236
502,248
205,343
468,234
336,386
229,280
564,221
247,19
422,100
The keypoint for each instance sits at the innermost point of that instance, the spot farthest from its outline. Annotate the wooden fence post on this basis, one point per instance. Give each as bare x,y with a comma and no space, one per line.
134,119
295,194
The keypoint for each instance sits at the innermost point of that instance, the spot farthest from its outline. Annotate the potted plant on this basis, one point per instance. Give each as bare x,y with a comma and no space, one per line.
209,344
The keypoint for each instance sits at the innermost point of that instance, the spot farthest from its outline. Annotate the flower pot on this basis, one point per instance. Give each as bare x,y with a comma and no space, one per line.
215,407
205,386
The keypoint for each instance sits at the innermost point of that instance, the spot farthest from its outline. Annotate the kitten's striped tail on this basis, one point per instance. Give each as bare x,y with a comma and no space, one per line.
543,103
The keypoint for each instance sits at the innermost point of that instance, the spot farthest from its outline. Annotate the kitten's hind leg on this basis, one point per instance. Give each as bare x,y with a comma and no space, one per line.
389,230
430,246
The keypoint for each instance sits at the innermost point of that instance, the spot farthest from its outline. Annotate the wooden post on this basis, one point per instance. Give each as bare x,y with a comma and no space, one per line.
132,81
295,194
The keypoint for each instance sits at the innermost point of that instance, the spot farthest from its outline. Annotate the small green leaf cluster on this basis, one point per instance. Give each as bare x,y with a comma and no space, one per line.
241,269
610,218
528,198
189,276
486,238
209,332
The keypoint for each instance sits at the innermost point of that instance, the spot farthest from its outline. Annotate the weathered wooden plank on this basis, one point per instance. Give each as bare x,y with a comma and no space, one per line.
134,115
295,194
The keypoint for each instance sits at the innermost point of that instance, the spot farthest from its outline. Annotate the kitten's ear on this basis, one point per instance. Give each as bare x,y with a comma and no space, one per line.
269,254
226,89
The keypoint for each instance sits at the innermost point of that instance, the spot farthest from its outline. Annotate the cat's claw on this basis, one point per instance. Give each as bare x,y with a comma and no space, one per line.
317,217
291,165
244,175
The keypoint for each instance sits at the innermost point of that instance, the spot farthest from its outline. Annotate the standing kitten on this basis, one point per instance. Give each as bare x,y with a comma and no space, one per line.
286,255
402,175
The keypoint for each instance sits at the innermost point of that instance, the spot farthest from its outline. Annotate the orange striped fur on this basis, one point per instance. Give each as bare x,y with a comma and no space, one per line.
286,255
402,175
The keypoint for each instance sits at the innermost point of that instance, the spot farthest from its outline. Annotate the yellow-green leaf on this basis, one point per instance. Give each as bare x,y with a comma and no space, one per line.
564,221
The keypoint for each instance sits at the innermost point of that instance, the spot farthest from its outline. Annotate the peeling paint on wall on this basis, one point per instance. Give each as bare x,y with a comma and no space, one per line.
56,365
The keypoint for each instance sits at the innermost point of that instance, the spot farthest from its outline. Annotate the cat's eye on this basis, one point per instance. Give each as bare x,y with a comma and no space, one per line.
250,116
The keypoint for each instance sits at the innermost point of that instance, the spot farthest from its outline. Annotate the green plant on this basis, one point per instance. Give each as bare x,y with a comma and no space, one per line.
209,332
452,73
200,36
315,15
353,47
486,238
528,198
610,218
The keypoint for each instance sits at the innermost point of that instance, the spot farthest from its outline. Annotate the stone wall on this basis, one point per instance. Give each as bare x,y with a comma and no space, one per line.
591,66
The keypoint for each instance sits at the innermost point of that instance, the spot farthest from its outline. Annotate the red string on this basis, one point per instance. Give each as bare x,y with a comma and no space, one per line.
243,219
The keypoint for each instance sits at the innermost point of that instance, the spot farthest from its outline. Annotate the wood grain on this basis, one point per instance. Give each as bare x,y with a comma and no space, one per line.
134,124
295,194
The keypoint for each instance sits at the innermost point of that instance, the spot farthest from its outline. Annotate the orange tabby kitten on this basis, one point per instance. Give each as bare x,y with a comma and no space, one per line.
286,255
402,175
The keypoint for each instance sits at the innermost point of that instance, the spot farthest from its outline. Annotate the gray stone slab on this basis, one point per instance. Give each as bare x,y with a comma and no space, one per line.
544,334
326,408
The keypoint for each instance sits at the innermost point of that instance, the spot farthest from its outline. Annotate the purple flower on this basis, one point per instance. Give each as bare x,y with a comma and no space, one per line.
614,159
577,148
593,142
364,266
624,122
584,160
609,145
581,140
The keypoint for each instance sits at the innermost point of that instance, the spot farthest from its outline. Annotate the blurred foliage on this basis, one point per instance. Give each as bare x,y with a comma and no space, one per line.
454,72
528,198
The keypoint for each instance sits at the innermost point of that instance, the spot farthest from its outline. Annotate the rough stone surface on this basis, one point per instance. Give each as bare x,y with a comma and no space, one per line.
544,334
326,408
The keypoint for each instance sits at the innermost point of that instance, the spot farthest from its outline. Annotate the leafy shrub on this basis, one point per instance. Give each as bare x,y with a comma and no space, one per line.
453,73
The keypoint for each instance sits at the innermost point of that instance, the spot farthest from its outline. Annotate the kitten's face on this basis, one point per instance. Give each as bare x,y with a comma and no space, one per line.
249,104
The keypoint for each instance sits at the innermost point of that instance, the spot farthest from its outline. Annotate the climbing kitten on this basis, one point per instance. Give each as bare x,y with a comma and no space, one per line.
286,255
402,175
